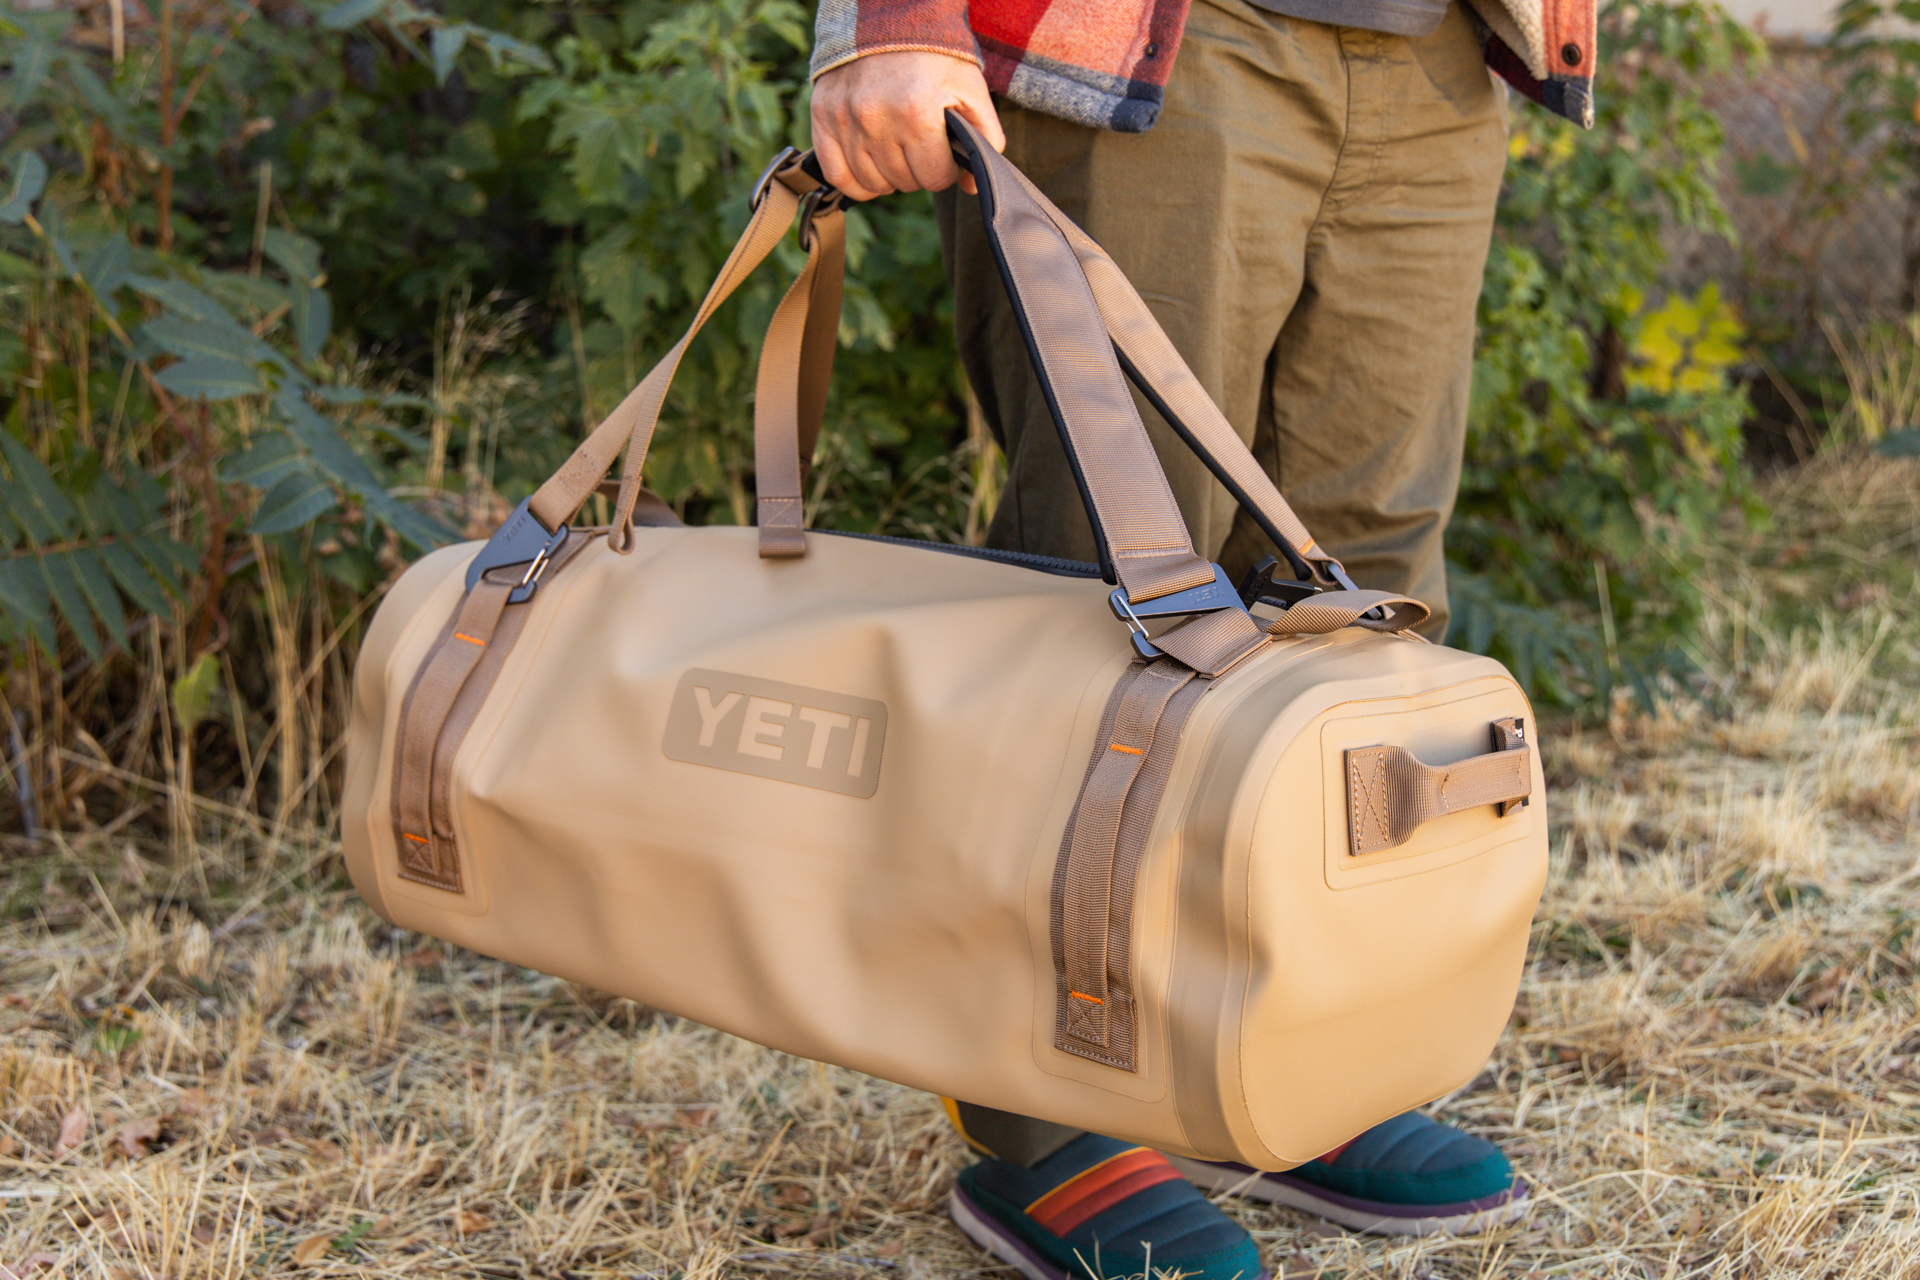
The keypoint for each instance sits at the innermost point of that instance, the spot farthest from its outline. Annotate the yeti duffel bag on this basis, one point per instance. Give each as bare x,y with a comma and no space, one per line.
1235,871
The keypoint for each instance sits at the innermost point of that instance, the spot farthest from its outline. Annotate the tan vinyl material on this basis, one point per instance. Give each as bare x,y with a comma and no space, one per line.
930,815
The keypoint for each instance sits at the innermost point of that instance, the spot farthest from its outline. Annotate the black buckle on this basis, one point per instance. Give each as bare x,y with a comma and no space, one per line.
812,205
521,540
1208,597
1261,587
766,176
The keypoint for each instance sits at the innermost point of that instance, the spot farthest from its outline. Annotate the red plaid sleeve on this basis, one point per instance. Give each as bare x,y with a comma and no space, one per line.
849,29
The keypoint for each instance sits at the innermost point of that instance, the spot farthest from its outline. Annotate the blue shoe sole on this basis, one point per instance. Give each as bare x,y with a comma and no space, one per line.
981,1228
1374,1217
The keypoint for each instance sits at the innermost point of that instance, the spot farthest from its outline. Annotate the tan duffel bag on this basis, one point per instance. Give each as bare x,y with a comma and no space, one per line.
1127,855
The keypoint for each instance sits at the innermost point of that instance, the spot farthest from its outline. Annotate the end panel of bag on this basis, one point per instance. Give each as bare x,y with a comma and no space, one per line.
1379,987
402,632
1224,971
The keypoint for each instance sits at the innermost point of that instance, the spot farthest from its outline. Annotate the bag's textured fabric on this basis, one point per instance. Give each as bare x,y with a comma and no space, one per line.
841,802
1105,63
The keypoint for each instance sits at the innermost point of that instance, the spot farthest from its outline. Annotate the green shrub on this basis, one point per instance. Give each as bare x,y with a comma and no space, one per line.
1604,443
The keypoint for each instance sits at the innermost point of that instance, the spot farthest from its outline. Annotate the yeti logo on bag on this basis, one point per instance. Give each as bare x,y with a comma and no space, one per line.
787,732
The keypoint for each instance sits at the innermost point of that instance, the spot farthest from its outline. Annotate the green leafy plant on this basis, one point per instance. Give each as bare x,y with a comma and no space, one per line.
1604,439
663,113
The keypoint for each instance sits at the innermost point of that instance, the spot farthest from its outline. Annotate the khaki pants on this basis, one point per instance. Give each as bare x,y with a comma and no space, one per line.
1308,220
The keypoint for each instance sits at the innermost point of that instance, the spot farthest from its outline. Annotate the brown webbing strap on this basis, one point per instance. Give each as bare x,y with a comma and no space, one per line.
471,699
790,393
632,422
453,658
1213,643
1146,537
1095,1009
1146,346
1332,610
1390,793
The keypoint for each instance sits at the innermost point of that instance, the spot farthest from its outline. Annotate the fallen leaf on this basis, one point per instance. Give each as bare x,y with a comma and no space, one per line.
8,1147
194,1102
309,1249
697,1117
73,1131
203,1233
1690,1227
14,1000
468,1223
272,1136
134,1136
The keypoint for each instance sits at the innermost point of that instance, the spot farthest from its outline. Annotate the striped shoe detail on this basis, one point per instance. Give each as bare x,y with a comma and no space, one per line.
1099,1188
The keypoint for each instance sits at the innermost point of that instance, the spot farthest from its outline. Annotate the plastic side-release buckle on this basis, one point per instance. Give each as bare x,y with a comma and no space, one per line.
1208,597
1261,587
521,540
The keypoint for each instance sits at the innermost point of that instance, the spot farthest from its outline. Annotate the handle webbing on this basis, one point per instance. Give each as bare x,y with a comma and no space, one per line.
632,422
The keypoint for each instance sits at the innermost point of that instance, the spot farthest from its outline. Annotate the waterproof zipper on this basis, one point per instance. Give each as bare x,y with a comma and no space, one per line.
1045,564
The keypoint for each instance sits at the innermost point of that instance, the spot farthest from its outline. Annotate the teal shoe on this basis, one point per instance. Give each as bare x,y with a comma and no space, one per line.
1101,1209
1411,1176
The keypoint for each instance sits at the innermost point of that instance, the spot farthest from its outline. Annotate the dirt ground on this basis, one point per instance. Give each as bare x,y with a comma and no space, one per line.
223,1065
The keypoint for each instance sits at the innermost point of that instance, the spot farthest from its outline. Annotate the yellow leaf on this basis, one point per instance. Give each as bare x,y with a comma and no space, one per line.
193,692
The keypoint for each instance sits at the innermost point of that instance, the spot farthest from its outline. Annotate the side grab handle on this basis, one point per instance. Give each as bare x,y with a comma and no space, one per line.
1390,793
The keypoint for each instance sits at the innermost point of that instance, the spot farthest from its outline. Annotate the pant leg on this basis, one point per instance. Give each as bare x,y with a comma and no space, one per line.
1365,413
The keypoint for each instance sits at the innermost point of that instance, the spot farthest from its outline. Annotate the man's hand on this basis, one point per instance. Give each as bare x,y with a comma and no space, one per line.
879,122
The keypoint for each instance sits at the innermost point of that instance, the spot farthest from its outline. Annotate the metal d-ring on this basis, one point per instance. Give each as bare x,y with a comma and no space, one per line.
767,175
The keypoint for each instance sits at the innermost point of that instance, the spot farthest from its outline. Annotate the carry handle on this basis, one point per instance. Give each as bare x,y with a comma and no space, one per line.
1147,358
1137,525
1127,494
777,199
1390,794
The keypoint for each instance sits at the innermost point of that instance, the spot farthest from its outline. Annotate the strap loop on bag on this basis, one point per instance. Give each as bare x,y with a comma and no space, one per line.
790,392
1332,610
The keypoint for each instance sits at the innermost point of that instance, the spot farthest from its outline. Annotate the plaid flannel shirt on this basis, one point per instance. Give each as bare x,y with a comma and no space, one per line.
1105,63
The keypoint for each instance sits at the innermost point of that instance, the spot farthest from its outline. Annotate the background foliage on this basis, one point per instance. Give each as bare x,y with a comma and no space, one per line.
291,290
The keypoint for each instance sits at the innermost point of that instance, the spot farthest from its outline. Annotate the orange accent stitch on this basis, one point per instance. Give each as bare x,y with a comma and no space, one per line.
416,839
469,639
1132,751
1081,995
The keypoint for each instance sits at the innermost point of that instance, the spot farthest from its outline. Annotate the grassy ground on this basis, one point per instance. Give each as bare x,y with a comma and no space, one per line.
225,1066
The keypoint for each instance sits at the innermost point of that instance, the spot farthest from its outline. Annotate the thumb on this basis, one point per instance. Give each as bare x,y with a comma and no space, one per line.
977,107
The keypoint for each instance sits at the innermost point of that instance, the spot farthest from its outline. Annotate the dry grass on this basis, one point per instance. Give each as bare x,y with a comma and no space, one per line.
225,1066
